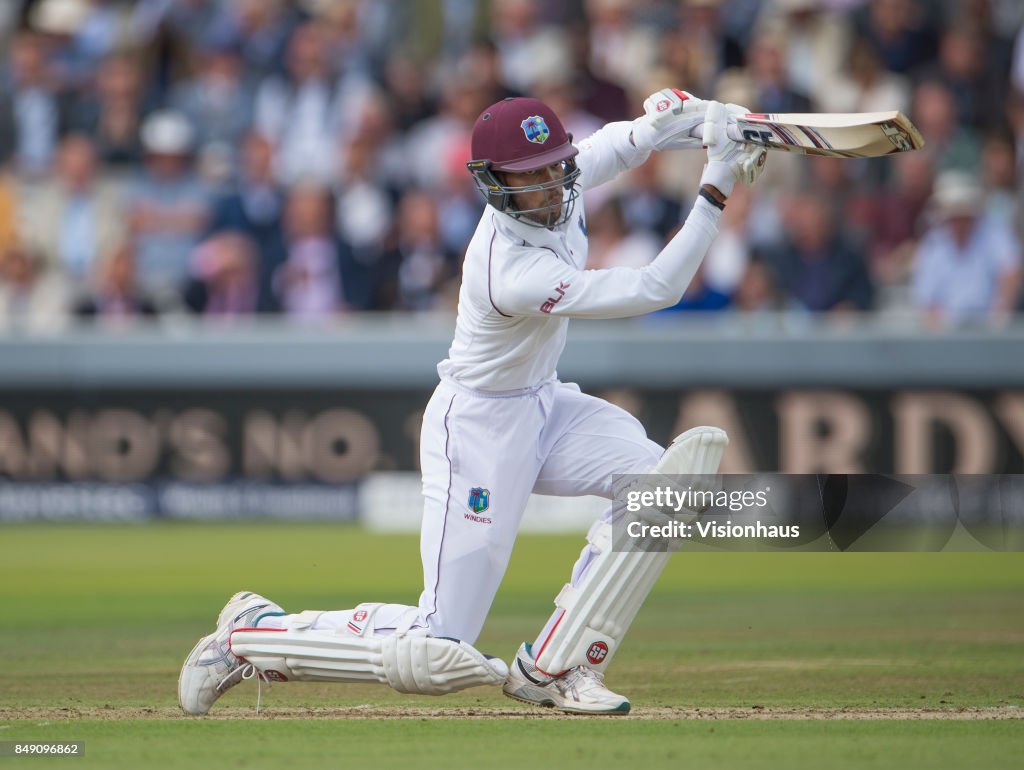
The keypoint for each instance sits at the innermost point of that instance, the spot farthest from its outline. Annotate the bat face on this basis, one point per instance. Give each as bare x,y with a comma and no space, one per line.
843,135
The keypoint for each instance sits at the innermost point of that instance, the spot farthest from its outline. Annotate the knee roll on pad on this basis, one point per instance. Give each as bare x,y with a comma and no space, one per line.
434,666
690,464
597,613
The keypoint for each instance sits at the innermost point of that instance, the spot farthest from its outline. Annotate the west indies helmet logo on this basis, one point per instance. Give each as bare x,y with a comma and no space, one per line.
479,499
536,129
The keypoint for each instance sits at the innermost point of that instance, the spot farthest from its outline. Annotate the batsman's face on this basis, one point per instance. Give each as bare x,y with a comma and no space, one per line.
545,205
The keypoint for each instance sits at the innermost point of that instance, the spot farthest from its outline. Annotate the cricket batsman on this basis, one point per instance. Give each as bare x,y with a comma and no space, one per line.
500,426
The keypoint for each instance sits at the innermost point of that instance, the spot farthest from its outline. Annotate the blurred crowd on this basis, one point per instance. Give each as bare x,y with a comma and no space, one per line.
225,158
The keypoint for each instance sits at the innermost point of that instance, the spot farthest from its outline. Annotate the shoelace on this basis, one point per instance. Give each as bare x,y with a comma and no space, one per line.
248,671
585,674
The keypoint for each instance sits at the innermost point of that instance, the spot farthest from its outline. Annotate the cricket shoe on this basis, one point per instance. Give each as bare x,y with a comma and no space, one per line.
579,690
211,669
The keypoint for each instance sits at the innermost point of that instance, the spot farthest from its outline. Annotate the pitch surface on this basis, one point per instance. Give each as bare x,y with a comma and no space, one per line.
754,660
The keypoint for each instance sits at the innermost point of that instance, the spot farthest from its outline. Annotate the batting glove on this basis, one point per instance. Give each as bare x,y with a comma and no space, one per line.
757,157
729,161
670,115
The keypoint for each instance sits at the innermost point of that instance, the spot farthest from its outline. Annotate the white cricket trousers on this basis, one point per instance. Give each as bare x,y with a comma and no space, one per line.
551,439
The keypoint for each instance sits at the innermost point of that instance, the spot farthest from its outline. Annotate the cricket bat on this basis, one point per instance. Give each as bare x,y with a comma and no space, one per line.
830,134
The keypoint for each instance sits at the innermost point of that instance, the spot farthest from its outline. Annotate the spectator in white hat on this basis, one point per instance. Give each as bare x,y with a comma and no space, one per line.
168,207
967,267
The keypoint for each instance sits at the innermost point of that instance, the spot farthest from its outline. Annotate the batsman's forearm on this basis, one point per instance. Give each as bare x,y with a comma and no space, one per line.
537,282
679,261
622,292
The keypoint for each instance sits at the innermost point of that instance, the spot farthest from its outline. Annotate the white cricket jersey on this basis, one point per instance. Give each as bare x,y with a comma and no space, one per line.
521,284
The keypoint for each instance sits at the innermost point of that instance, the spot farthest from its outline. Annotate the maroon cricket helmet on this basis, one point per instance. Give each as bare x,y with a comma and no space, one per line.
520,134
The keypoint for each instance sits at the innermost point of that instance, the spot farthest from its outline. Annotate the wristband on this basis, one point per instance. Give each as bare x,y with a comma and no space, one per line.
711,199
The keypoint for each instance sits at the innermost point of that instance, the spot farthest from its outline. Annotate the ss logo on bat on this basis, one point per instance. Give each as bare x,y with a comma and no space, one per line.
897,136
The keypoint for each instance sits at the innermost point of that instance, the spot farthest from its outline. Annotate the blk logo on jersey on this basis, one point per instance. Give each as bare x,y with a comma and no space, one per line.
536,129
598,652
479,499
550,303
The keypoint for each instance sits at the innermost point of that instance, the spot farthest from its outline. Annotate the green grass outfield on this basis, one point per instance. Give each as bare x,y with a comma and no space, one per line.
737,660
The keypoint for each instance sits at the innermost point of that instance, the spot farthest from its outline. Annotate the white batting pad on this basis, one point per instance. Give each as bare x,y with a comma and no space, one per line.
598,612
432,666
407,662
